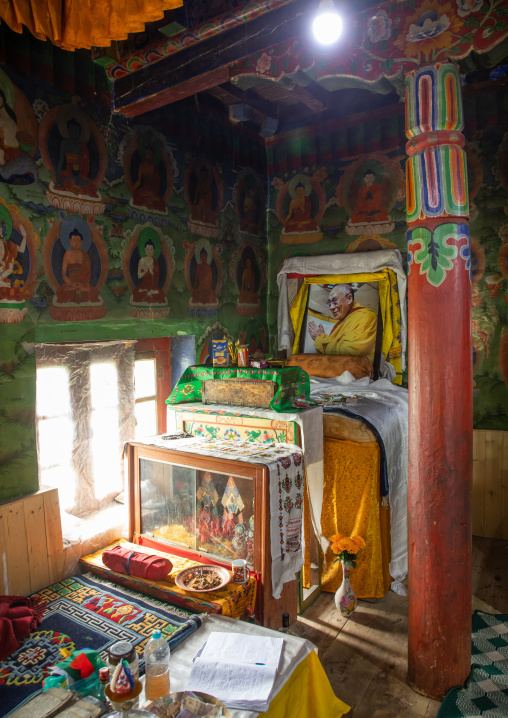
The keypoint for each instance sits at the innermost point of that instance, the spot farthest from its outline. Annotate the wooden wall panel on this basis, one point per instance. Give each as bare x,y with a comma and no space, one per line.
490,484
31,547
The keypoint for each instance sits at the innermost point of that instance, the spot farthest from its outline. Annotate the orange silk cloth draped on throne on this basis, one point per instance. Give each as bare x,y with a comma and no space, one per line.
352,505
73,24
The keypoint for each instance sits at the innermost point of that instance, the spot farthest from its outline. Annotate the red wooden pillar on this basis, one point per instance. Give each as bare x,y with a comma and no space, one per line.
440,383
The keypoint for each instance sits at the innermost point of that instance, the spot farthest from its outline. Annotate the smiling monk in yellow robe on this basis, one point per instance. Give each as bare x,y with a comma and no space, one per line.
355,330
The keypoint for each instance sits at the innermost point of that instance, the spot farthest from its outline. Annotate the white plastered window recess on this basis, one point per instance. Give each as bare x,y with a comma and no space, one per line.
85,414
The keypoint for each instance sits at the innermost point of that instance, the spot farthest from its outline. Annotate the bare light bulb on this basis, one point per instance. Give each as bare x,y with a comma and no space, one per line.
327,26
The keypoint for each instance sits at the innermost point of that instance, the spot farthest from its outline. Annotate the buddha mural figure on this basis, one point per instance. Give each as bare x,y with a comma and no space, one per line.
369,201
299,217
76,274
202,291
73,167
8,254
146,191
148,272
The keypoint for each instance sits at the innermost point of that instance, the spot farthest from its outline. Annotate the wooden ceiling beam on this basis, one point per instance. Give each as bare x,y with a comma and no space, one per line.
170,78
252,98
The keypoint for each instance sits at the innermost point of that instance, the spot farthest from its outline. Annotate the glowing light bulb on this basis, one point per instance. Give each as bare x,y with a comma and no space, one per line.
327,26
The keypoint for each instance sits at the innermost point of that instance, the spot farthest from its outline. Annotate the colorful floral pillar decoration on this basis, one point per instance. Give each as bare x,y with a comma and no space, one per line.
440,386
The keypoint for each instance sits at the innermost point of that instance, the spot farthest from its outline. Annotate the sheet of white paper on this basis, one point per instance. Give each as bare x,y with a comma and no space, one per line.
232,683
235,648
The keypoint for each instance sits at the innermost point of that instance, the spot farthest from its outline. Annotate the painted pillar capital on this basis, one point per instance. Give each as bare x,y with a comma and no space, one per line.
436,177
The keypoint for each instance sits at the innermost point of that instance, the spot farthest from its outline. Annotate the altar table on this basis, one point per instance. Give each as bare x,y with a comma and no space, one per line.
302,689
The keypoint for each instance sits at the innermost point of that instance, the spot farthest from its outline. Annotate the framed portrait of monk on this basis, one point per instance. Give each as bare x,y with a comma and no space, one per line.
342,319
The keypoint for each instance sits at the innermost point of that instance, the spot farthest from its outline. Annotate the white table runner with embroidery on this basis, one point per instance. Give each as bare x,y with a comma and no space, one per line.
286,468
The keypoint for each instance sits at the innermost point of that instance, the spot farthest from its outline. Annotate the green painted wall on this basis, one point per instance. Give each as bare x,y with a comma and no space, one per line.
18,462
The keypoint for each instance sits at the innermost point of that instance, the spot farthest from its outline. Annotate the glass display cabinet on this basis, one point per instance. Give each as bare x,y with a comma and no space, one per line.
210,510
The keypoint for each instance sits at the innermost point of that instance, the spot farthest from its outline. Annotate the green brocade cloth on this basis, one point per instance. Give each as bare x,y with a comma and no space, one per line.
292,383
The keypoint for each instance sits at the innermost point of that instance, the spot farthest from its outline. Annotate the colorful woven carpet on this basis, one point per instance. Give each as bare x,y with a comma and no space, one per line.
82,612
486,691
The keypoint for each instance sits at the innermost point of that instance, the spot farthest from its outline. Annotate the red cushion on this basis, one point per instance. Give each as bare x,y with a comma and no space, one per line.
134,563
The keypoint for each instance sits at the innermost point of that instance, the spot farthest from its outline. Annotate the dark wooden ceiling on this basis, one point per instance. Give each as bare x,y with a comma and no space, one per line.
199,73
262,107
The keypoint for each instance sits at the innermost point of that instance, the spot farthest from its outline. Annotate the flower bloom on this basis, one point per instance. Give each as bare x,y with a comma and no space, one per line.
264,62
465,7
379,27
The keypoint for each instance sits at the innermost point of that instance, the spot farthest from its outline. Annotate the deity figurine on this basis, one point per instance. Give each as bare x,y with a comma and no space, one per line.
233,507
208,518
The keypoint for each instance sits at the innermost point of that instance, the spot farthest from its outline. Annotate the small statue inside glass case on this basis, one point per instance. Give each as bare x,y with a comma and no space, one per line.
201,510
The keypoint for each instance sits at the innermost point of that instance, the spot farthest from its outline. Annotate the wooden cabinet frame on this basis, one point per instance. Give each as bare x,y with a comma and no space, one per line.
268,609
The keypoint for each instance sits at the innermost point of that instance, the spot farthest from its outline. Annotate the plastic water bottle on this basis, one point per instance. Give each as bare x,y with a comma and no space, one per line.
156,667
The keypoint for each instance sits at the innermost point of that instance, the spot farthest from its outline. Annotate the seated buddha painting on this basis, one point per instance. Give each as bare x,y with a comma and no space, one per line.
204,196
203,275
368,190
148,268
76,265
248,270
301,203
149,172
249,198
74,152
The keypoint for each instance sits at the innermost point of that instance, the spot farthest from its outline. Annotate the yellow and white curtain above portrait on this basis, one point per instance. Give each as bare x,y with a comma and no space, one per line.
74,24
389,302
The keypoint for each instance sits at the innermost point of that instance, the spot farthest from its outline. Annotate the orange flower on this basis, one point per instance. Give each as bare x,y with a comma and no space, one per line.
336,538
348,544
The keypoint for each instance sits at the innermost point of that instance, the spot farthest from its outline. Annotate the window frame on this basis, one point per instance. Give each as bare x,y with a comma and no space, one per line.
158,348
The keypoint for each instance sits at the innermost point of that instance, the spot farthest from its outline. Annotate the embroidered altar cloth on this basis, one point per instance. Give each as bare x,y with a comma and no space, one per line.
286,469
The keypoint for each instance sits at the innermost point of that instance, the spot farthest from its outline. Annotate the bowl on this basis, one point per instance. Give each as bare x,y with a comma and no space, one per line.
216,574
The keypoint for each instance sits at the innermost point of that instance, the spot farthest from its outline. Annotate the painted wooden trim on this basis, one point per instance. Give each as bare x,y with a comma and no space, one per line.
490,484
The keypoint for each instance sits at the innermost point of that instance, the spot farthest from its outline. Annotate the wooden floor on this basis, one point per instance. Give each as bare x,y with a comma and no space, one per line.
365,656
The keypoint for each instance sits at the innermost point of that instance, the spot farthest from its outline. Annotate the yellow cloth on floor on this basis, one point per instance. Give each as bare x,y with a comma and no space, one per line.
352,505
306,693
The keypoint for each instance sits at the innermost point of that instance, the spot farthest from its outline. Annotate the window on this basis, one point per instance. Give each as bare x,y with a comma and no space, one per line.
152,377
85,413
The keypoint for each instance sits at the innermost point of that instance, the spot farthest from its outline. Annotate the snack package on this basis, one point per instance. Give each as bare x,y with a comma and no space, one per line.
78,672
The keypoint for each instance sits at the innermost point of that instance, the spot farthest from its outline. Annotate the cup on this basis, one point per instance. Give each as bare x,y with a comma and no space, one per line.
241,573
